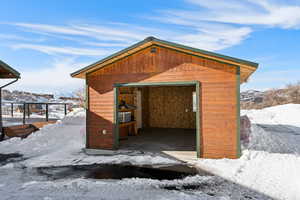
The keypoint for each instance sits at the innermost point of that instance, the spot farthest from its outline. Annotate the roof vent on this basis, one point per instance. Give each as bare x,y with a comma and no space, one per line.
153,50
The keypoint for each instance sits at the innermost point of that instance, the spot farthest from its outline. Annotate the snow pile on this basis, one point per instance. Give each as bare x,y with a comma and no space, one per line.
62,143
275,129
270,165
287,114
60,136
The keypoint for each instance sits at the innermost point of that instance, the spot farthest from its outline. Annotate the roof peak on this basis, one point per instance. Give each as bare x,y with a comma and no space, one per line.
180,47
150,38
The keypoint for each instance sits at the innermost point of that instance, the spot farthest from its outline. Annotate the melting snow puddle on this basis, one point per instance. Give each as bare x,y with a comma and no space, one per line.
111,171
99,178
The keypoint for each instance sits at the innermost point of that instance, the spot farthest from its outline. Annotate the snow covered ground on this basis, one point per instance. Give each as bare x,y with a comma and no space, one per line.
268,168
62,143
271,163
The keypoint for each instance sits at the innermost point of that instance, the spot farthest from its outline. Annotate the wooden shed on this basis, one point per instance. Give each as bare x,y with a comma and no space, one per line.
164,86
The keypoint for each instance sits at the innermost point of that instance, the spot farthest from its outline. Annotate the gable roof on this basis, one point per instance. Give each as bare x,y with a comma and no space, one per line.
8,72
247,67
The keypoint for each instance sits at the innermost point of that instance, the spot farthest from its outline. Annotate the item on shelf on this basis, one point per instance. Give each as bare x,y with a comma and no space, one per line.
131,107
124,105
124,117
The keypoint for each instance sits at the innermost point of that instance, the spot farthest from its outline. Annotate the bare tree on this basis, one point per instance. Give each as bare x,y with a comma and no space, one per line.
80,94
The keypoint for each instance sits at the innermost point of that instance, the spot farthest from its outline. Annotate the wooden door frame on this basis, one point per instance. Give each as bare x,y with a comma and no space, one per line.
197,85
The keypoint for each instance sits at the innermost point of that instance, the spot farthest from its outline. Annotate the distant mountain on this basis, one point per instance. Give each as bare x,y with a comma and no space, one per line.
23,96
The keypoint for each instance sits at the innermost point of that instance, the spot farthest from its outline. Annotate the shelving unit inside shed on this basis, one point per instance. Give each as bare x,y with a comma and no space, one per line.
127,127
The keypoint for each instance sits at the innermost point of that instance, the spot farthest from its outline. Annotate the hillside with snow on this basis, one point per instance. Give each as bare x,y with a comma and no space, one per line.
17,96
268,168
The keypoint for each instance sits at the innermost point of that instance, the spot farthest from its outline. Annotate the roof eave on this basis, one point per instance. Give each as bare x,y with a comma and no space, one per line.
237,60
148,39
13,72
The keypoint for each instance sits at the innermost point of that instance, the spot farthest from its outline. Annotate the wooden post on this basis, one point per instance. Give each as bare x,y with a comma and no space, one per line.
47,112
24,114
65,109
28,111
12,109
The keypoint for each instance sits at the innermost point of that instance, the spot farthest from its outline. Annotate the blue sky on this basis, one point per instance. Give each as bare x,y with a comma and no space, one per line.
47,40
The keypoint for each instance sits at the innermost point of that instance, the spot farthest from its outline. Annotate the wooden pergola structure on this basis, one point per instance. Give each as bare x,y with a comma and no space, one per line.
6,72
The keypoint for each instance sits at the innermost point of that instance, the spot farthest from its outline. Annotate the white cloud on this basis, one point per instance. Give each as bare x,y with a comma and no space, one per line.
243,12
46,28
211,25
54,78
199,34
215,25
11,37
120,33
215,37
108,32
106,44
55,50
105,37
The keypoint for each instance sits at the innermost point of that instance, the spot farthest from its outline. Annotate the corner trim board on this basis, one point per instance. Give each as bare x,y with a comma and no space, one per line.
87,108
238,114
198,126
116,119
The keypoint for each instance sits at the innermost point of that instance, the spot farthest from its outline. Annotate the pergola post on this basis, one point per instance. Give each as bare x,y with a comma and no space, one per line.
47,112
65,109
12,109
28,110
24,114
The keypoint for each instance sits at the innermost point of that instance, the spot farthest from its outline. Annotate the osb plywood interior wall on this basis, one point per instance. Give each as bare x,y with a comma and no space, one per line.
168,107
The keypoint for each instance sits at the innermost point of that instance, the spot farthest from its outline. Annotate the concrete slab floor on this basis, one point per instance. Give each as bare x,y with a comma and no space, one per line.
176,143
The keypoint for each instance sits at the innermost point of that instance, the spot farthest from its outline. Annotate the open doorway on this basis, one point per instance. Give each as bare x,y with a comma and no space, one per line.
158,117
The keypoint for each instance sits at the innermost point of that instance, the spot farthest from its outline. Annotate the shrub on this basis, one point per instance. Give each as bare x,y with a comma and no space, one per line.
289,94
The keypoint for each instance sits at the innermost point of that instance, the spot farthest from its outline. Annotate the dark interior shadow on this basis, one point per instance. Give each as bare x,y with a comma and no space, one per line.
161,139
